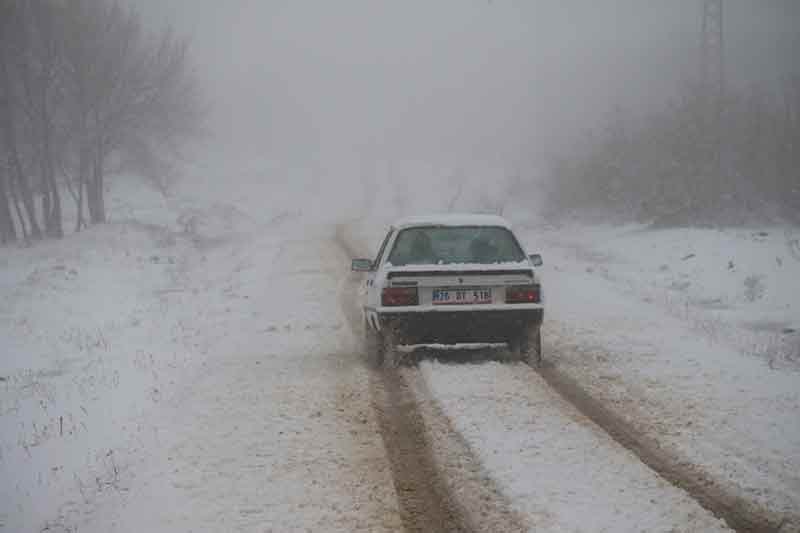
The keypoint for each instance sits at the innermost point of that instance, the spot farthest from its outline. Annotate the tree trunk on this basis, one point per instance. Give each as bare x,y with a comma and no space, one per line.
9,135
56,225
46,214
53,222
25,192
83,168
27,201
80,223
8,232
95,197
20,215
91,200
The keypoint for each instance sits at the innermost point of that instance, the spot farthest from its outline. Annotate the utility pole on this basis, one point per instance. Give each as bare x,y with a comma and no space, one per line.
713,53
713,80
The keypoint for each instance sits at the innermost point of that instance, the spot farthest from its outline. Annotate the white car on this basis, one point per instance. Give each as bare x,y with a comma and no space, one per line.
452,279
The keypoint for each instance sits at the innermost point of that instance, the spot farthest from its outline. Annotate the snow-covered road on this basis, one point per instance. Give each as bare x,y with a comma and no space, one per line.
275,431
559,470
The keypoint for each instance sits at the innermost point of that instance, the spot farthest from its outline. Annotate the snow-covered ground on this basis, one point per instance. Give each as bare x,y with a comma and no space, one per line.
692,335
694,354
88,343
275,431
736,286
189,366
557,469
186,366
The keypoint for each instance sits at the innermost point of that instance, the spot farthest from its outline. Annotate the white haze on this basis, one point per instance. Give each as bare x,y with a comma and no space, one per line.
452,82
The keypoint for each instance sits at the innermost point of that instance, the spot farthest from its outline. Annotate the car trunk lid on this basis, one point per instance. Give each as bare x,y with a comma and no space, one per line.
464,285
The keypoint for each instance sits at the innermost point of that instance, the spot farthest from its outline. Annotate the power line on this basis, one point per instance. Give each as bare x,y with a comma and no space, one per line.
713,80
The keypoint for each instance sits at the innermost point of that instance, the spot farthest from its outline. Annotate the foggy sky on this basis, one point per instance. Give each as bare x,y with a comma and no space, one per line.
454,80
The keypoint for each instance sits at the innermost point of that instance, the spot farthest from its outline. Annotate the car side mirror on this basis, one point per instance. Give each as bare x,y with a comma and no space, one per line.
361,265
536,259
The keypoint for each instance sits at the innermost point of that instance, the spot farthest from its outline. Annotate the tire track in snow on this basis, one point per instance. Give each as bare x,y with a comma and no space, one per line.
740,514
426,488
425,501
479,497
425,504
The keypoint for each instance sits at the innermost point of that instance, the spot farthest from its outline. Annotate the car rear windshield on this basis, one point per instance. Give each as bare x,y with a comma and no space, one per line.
439,245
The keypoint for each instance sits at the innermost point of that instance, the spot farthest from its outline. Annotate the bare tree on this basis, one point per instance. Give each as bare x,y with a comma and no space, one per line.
144,96
80,81
96,32
80,41
7,229
11,23
38,67
665,168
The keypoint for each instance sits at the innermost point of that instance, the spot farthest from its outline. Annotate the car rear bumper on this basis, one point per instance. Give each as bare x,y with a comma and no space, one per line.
462,326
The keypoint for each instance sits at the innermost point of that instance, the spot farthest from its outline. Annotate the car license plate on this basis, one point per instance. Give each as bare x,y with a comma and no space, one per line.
462,296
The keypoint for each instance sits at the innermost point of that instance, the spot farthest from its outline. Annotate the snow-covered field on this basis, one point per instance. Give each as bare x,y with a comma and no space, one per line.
89,343
737,287
693,336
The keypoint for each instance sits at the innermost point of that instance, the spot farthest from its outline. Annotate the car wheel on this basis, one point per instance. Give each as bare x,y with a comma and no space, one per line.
527,346
373,346
390,354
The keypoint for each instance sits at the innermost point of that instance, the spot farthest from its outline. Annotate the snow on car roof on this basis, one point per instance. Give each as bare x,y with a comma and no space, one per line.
452,219
523,265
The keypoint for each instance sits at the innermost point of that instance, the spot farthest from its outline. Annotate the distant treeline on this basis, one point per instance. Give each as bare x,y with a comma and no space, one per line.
80,82
688,165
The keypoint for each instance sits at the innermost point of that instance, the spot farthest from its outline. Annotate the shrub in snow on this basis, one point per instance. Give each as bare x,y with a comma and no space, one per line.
753,288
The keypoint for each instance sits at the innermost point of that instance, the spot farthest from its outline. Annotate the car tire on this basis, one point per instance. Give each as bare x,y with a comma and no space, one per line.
373,346
527,346
391,356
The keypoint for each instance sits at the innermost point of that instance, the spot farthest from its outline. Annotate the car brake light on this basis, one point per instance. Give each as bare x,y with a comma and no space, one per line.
523,294
399,296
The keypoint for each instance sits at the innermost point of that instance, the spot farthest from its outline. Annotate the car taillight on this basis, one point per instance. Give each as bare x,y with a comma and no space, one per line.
397,296
523,294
